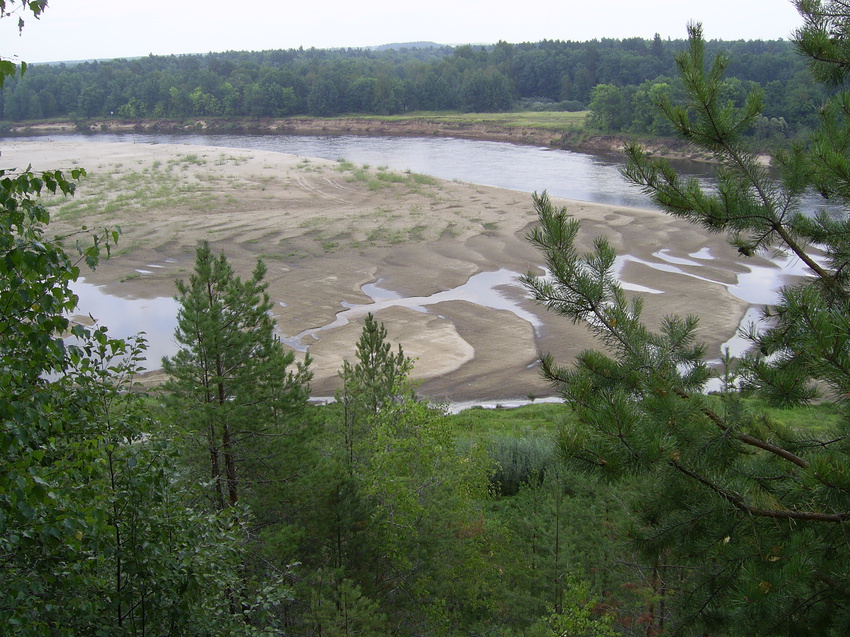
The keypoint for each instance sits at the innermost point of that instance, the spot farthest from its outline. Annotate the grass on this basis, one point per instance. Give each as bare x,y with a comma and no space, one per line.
191,158
815,418
382,177
385,236
422,180
314,222
534,420
544,419
551,121
417,233
114,190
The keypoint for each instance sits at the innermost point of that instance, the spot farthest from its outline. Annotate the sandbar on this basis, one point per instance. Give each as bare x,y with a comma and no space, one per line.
325,229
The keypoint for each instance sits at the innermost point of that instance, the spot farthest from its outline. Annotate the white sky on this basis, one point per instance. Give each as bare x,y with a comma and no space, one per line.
86,29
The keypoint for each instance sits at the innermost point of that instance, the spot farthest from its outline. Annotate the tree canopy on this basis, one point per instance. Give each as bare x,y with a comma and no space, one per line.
739,518
547,75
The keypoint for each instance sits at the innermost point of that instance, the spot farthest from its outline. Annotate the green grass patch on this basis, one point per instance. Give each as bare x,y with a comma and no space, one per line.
314,222
107,192
815,419
550,121
343,165
422,180
534,420
385,236
417,233
191,158
390,177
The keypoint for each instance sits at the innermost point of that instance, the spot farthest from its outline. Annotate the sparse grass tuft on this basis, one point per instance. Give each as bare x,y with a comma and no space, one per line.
343,165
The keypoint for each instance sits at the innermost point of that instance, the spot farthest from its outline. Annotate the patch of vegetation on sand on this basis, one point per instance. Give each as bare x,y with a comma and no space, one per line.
382,177
112,191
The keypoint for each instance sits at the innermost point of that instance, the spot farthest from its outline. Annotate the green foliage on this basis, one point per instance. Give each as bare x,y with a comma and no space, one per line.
379,378
98,533
574,616
341,609
327,83
519,461
9,8
822,39
231,384
395,517
747,512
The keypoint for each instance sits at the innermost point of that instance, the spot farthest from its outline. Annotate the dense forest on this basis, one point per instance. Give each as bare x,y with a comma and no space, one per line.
613,77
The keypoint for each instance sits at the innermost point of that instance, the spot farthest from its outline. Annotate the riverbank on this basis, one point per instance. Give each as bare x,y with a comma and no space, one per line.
326,229
564,132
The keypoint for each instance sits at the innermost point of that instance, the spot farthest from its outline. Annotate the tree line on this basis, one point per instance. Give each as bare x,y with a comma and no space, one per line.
545,75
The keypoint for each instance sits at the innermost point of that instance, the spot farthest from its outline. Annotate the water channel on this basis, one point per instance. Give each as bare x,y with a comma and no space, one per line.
563,173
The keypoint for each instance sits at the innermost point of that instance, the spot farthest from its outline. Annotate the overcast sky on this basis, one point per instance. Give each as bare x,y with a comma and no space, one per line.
96,29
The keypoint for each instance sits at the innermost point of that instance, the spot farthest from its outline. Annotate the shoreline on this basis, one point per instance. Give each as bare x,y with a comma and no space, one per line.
577,141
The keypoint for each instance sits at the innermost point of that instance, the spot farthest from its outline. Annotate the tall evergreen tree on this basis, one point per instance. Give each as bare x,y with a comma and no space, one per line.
749,515
232,383
377,378
397,518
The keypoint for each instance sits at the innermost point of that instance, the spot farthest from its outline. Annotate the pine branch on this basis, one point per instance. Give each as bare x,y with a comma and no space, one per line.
748,439
738,502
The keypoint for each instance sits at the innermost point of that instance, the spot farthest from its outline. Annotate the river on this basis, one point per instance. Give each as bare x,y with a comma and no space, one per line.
563,173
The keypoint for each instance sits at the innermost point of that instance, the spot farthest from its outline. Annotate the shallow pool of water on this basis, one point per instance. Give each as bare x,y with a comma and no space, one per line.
484,289
157,318
499,289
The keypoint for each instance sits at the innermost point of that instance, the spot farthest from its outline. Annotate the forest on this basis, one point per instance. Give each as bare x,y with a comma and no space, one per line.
616,79
225,503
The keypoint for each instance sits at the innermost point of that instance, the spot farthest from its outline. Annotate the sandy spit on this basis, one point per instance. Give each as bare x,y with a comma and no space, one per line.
325,229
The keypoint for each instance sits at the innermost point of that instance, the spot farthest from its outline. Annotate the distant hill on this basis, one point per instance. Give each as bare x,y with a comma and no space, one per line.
407,45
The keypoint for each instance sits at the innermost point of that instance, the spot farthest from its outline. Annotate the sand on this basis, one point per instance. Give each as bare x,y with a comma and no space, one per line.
325,228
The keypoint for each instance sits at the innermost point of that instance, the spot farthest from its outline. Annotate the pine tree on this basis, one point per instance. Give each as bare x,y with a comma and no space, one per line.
232,382
749,515
401,516
378,378
99,534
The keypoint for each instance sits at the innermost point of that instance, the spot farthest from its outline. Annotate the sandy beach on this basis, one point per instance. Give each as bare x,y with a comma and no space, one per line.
325,229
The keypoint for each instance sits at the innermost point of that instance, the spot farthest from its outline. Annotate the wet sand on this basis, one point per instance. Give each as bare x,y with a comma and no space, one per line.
325,229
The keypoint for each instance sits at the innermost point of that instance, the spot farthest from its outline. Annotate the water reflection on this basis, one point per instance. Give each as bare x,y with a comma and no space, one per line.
758,285
157,318
567,174
499,290
562,173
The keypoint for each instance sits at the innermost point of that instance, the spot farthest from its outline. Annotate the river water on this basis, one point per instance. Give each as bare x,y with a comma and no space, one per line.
562,173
